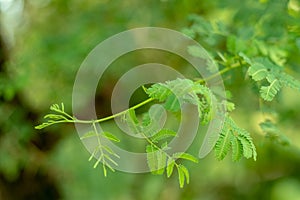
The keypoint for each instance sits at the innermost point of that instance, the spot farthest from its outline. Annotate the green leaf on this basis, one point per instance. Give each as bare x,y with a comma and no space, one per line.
269,92
55,116
237,149
185,156
97,162
88,135
111,136
223,144
247,148
104,170
258,71
163,134
181,176
238,139
289,81
170,166
263,68
229,106
186,173
205,103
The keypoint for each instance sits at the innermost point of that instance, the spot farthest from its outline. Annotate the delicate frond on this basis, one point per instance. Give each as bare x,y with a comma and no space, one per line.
263,69
59,116
223,144
239,140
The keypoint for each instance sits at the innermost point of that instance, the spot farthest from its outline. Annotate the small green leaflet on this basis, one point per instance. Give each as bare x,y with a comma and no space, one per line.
269,92
186,156
163,134
223,144
110,136
88,135
237,149
105,134
183,175
170,166
257,72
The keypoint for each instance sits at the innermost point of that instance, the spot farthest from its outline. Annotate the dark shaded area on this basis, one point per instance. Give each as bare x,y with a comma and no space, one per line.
31,186
27,184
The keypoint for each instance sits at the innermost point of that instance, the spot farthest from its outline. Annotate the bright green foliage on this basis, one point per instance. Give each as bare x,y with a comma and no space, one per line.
251,49
158,159
237,139
172,95
263,69
185,156
250,36
60,116
181,91
183,175
103,152
246,48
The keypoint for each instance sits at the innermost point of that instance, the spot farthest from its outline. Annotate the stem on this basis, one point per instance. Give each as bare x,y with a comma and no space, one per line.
113,116
235,65
125,111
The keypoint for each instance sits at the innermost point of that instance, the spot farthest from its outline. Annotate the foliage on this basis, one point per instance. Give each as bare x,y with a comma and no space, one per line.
237,35
236,138
252,50
172,95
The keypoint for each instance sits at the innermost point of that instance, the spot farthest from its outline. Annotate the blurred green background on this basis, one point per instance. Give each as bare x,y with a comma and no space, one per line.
43,43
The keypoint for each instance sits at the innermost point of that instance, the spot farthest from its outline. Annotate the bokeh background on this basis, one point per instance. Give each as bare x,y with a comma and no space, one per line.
43,43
